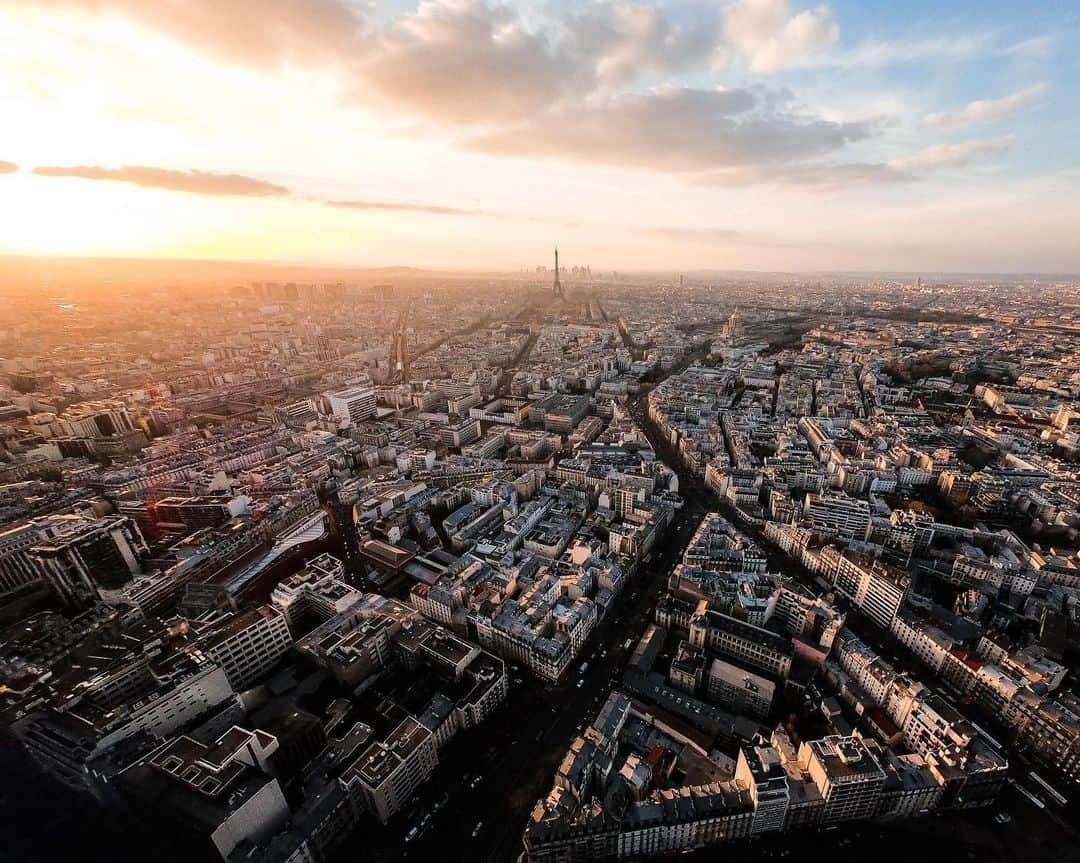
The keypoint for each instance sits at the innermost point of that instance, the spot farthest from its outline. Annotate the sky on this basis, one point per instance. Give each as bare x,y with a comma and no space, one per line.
476,134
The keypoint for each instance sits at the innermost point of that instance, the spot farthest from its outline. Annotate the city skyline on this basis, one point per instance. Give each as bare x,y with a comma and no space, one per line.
757,135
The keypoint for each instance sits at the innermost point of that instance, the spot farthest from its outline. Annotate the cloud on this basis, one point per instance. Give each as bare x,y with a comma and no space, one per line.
8,167
626,41
395,206
457,62
876,53
1036,47
763,31
674,130
471,62
252,32
954,155
206,183
464,62
812,176
819,176
194,182
985,110
572,86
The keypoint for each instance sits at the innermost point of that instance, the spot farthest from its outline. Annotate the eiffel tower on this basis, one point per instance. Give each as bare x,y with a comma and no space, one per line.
556,288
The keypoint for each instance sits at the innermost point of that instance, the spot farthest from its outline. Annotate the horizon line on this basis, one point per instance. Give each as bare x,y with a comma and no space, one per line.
436,269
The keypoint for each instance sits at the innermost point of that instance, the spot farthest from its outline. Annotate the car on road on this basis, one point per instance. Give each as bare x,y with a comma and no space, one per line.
580,684
476,830
412,834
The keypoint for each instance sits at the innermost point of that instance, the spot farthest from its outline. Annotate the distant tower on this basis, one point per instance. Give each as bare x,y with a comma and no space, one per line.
400,348
556,288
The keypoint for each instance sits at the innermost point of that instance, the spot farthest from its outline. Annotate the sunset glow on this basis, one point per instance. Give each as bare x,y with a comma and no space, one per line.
761,135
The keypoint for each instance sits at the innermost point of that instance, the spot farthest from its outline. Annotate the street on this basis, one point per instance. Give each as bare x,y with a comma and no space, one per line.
516,753
477,803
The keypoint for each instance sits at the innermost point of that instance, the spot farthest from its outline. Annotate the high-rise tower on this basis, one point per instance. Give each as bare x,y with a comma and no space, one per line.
556,288
400,347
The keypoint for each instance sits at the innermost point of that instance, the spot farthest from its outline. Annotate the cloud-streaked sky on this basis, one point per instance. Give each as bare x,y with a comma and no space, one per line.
753,134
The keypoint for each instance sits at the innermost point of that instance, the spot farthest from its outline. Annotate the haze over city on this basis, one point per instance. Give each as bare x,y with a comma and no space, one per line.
759,134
